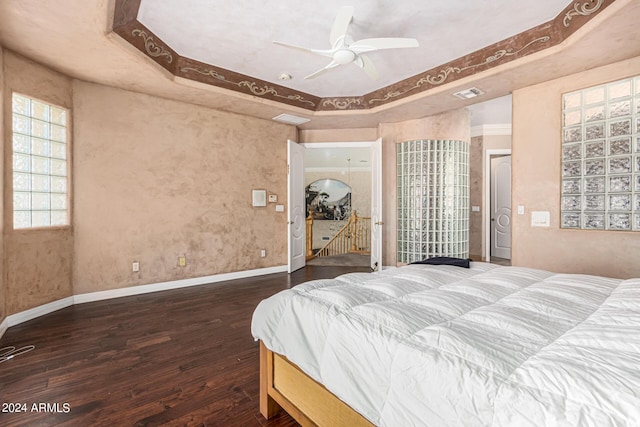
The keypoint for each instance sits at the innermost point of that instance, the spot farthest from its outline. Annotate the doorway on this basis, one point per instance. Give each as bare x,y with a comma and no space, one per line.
498,207
353,164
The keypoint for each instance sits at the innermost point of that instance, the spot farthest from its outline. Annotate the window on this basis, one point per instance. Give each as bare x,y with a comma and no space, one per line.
601,157
39,164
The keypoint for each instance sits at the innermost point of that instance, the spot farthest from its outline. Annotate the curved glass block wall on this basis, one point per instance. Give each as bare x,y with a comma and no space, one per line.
433,199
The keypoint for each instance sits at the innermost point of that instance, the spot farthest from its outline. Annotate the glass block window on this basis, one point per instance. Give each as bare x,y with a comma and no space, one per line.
39,163
433,199
601,157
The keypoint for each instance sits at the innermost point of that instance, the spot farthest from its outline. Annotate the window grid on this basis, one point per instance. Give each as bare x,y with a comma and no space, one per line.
601,157
39,163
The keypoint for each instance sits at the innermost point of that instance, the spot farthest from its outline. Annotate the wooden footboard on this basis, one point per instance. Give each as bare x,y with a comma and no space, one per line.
284,386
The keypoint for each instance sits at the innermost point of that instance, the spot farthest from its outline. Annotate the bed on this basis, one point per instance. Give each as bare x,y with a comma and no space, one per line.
425,345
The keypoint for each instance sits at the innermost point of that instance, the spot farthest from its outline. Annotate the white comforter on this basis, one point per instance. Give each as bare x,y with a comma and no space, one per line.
449,346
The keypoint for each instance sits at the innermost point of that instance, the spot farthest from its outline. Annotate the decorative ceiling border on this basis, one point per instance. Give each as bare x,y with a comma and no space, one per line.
536,39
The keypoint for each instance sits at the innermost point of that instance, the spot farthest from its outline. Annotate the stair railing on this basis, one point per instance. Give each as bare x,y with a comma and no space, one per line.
353,237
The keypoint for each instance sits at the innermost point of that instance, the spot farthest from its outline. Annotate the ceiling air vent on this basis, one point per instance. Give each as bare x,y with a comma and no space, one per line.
290,119
468,93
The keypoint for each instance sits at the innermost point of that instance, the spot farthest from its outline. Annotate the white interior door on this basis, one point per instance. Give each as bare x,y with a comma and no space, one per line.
376,205
501,207
296,213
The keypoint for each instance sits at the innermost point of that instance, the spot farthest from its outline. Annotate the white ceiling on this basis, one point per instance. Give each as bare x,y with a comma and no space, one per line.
238,35
337,158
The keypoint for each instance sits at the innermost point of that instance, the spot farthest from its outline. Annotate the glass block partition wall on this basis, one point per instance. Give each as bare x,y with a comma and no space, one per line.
433,199
601,157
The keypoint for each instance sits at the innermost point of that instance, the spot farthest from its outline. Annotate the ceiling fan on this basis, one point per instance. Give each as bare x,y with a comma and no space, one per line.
344,50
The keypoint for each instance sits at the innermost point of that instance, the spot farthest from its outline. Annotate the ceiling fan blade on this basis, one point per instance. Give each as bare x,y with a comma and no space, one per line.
331,65
341,25
366,64
323,52
369,45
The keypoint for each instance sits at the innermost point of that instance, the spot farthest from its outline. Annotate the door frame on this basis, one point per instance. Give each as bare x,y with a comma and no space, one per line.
295,262
344,144
487,196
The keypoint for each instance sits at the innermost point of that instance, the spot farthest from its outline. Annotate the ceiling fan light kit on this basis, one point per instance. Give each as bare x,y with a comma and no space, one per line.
345,51
344,56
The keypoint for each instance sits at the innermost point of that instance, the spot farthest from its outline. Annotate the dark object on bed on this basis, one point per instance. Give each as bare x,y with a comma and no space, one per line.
445,260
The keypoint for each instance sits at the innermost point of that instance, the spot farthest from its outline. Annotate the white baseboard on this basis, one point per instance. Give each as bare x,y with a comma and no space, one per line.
3,327
41,310
165,286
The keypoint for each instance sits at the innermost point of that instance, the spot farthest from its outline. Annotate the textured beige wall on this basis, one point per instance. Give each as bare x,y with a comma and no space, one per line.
451,125
496,142
476,190
37,263
157,179
536,185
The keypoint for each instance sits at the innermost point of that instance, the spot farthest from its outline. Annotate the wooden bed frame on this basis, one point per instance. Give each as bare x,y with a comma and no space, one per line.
284,386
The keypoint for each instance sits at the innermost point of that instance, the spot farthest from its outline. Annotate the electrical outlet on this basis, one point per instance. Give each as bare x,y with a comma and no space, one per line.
182,261
135,266
263,253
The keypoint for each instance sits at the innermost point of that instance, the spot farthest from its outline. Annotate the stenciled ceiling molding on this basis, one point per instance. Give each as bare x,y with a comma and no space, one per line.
204,73
150,46
544,36
582,8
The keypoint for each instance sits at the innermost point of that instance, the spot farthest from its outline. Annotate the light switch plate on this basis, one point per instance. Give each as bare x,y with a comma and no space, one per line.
520,210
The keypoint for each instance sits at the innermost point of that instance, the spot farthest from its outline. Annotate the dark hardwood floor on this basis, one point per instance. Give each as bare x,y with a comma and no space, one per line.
183,357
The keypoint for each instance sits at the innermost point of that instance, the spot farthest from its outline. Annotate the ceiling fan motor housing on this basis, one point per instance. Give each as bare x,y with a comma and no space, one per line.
344,56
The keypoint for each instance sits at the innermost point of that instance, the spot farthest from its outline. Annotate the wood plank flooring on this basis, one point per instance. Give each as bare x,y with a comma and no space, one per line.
183,357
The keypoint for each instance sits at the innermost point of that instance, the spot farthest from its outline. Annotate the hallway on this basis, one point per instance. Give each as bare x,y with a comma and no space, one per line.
350,259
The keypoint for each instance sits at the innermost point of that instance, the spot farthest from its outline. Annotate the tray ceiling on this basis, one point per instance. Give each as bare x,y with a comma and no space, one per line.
231,45
238,36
